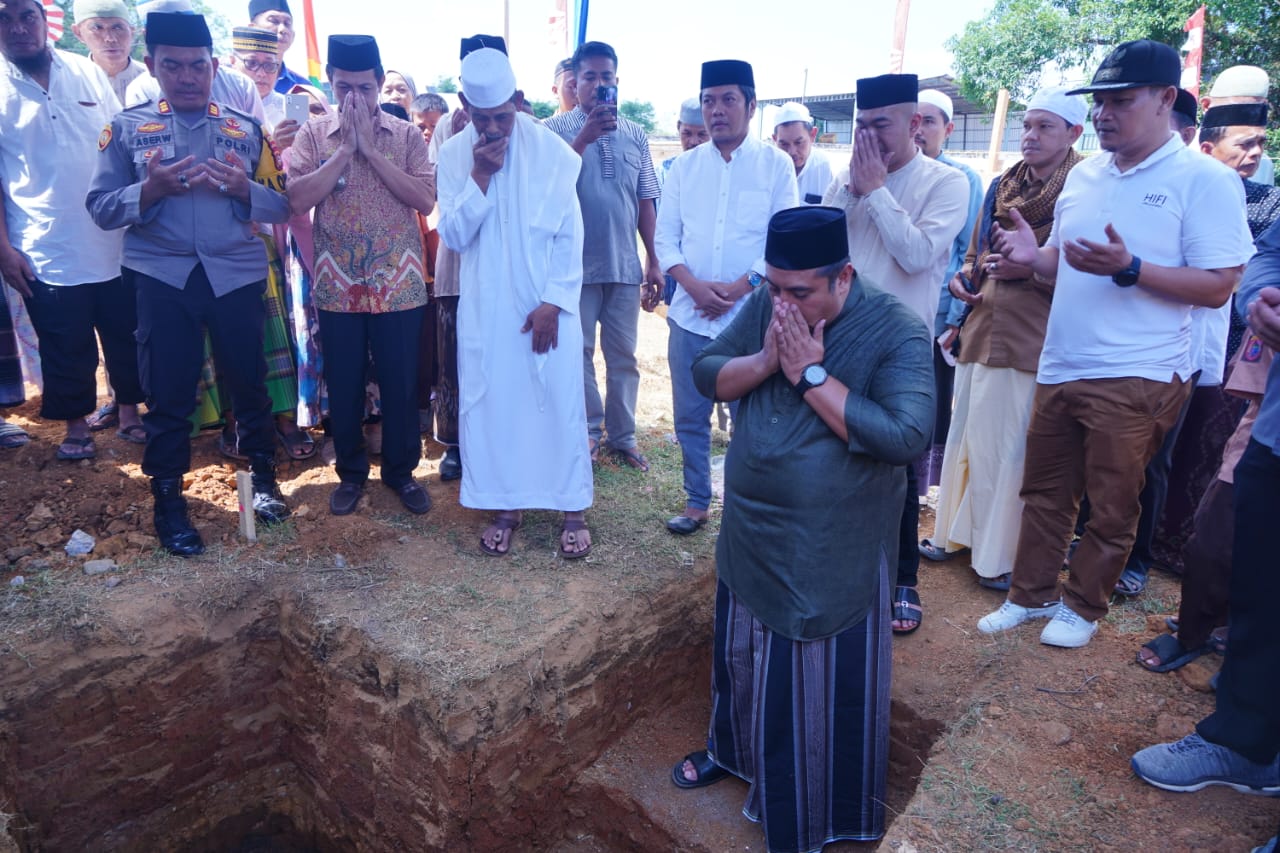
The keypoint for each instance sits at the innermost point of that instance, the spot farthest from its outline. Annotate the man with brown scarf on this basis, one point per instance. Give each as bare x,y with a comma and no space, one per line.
978,505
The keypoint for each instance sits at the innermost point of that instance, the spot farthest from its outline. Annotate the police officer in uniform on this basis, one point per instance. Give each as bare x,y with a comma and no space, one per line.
188,178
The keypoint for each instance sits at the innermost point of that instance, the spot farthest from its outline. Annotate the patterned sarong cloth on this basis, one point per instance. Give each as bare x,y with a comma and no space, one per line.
26,341
11,390
805,723
312,401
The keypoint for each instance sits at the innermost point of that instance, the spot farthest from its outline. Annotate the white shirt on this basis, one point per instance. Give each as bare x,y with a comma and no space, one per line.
814,178
230,88
714,217
1176,208
900,235
48,150
273,107
1209,330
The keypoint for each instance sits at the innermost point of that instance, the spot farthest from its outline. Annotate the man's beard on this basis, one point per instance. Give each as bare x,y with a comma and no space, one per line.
35,63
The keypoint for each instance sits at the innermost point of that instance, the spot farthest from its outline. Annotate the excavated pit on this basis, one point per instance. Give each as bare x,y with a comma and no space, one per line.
264,724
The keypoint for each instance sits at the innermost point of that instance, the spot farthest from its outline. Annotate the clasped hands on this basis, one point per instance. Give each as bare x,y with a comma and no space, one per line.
789,345
182,176
356,125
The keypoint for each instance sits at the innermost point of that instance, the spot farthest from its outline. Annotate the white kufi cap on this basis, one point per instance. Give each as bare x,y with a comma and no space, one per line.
937,99
1056,100
487,78
1241,81
792,111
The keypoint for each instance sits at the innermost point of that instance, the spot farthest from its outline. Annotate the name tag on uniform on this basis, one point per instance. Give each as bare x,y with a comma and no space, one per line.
152,139
231,144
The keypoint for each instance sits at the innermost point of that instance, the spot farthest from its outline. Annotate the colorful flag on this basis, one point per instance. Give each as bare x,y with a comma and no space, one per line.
313,45
1194,49
56,19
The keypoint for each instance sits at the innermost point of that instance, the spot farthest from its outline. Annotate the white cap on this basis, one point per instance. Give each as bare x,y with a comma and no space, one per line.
1055,99
146,7
792,111
1241,81
937,99
691,113
86,9
487,78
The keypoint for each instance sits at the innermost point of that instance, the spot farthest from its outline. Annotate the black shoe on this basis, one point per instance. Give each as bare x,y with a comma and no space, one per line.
345,498
684,525
268,505
173,528
451,465
414,497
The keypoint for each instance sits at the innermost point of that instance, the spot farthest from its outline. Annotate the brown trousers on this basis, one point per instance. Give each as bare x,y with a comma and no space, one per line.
1094,436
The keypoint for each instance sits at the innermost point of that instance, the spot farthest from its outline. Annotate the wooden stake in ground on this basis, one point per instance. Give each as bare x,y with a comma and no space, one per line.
248,526
997,132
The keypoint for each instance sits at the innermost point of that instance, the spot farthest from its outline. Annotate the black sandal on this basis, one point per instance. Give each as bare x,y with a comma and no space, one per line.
708,771
907,608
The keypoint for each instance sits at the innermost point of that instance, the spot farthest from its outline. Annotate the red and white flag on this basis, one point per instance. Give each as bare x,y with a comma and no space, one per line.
1194,50
56,20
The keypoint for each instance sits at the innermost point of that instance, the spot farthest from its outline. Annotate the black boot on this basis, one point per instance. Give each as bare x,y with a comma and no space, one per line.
172,525
268,505
451,464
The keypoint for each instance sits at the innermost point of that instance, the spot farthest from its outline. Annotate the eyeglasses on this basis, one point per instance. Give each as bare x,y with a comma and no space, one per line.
253,65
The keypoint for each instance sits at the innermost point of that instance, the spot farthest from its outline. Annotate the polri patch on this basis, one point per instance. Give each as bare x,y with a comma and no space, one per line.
104,138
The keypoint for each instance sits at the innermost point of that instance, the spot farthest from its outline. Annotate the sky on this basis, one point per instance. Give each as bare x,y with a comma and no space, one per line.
661,44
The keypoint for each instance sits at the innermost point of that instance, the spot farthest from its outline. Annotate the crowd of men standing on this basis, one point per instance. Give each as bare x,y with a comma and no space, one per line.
235,241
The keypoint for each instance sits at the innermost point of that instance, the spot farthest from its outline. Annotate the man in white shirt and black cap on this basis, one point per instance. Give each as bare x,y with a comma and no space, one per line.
509,207
904,211
795,134
711,228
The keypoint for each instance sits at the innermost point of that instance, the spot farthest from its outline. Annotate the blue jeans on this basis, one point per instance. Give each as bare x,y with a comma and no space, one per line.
692,414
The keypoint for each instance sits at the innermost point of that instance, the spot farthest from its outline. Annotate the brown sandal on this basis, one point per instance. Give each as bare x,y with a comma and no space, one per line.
570,530
506,525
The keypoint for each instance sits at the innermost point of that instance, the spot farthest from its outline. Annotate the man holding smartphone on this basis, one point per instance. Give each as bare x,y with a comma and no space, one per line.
617,189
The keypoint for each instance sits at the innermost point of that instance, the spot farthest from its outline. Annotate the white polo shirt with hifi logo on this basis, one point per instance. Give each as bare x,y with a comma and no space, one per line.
1176,208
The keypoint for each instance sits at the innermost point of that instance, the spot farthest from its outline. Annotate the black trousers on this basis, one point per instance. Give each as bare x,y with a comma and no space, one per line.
392,338
171,323
1247,718
446,408
65,317
909,532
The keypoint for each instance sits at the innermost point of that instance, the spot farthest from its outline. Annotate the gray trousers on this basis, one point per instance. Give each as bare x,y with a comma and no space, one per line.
616,308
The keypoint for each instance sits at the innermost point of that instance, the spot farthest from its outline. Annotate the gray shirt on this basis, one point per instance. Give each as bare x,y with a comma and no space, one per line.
170,237
617,173
808,518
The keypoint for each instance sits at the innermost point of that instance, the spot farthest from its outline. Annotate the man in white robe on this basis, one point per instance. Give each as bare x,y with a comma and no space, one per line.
509,207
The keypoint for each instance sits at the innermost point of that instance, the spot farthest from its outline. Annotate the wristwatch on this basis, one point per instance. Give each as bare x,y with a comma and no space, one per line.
754,279
811,377
1128,276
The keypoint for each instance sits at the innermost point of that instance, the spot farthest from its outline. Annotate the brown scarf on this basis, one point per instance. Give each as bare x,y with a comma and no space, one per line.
1037,210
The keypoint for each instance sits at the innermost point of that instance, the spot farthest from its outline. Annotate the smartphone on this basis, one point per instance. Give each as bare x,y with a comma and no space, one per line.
608,95
967,282
297,108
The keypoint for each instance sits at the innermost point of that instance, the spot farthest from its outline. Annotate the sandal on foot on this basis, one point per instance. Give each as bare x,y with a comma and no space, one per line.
907,608
73,449
1172,623
1132,582
12,435
297,444
569,539
1218,640
105,418
1168,651
229,446
931,551
708,771
593,448
133,433
631,458
505,525
1000,582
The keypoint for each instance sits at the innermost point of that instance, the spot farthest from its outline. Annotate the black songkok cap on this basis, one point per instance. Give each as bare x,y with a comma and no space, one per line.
178,29
1236,115
1135,64
354,53
480,40
886,90
727,72
1185,104
806,238
257,7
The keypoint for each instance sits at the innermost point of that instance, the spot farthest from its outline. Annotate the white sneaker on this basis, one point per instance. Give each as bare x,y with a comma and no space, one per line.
1012,615
1068,629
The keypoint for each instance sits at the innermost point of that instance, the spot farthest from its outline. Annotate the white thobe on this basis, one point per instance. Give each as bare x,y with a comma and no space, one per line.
812,181
900,235
522,425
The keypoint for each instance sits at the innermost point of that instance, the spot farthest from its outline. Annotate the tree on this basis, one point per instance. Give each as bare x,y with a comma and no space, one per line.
446,84
1010,47
641,112
541,109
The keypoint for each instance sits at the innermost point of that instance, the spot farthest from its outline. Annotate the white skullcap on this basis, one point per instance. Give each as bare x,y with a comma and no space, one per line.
487,78
1241,81
146,7
1056,100
86,9
792,111
691,113
937,99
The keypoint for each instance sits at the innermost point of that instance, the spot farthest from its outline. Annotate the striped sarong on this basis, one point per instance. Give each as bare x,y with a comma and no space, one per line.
11,390
805,723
